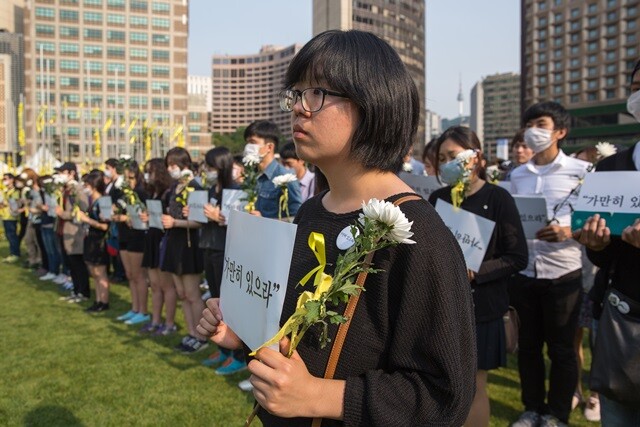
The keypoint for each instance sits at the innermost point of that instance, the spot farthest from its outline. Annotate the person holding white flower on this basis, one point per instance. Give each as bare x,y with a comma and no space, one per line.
262,138
460,161
408,357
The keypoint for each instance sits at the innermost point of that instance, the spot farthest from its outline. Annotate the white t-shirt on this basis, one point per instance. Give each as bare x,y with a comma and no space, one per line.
554,181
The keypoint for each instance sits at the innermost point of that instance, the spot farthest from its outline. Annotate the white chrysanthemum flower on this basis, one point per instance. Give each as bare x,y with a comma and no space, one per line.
186,175
29,182
72,182
251,159
391,215
119,182
282,180
605,149
47,181
467,155
125,157
406,166
24,175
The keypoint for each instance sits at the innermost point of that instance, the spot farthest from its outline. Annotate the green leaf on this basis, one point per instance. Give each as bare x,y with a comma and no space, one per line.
313,311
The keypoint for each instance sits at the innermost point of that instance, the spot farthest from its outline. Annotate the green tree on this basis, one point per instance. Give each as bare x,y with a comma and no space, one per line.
233,141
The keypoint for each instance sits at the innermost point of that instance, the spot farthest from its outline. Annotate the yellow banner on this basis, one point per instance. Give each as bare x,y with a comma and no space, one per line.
96,136
132,125
107,124
21,136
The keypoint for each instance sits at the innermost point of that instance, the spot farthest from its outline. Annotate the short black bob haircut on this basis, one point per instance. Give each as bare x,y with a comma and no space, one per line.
368,70
178,156
265,129
559,115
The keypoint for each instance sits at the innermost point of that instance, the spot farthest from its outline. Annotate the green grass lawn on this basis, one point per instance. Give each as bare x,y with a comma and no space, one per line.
62,367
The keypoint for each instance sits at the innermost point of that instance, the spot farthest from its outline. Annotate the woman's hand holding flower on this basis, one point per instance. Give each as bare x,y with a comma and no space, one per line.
168,221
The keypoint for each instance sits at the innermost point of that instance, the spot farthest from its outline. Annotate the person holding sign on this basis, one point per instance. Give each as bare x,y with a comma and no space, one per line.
10,217
131,241
619,260
506,253
182,256
408,357
163,292
95,251
547,293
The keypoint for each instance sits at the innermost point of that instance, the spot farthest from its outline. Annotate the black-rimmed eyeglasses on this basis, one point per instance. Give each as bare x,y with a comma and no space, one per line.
312,98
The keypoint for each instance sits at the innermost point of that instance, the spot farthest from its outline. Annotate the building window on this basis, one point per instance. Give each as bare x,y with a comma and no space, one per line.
557,29
69,65
574,50
557,77
45,30
612,29
113,35
631,38
591,96
94,66
611,68
160,39
574,62
575,12
574,25
542,5
160,70
542,22
138,69
115,3
70,32
592,59
557,17
592,8
138,85
592,21
160,22
557,90
542,91
542,44
161,54
632,51
92,50
632,25
574,74
138,101
69,15
557,41
542,56
611,3
575,37
111,84
46,47
542,68
66,48
632,10
542,33
112,67
610,81
610,55
139,21
592,46
612,16
574,87
116,18
92,33
557,53
45,12
138,53
92,17
93,2
592,84
95,84
542,80
592,71
139,5
592,33
115,52
139,37
160,6
610,93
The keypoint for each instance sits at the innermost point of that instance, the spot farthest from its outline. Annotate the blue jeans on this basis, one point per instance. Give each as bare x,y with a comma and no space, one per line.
614,414
51,248
10,228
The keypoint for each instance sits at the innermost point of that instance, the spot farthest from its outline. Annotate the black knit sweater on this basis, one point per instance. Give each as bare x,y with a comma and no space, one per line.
409,356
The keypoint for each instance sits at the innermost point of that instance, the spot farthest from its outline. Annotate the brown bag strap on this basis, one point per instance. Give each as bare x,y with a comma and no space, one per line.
336,349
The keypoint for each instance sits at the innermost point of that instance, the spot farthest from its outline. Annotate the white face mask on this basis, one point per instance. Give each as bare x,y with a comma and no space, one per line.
252,149
538,139
146,176
175,172
633,105
108,173
87,191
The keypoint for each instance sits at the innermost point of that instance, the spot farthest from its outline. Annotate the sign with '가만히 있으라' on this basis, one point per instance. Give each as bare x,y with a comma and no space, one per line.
615,196
472,232
255,272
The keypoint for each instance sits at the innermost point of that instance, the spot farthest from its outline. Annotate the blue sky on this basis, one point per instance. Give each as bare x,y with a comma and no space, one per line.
468,38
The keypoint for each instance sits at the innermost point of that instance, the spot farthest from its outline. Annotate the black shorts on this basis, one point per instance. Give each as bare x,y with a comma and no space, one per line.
132,245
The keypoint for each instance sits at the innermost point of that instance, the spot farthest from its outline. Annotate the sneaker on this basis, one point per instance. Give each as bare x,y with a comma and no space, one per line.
245,385
592,409
216,358
11,259
60,279
48,276
164,330
527,419
128,315
185,343
576,400
104,306
71,296
78,298
138,318
150,328
195,346
551,421
93,308
206,296
231,366
68,285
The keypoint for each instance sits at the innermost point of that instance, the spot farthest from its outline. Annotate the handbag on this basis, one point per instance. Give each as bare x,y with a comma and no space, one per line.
511,329
336,349
615,368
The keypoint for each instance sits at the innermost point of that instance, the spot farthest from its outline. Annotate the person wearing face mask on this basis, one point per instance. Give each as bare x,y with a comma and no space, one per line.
619,260
547,293
112,172
10,216
182,256
460,161
262,138
163,292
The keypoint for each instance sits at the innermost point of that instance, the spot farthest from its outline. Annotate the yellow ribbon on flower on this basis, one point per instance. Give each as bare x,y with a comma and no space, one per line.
284,203
322,283
76,213
457,194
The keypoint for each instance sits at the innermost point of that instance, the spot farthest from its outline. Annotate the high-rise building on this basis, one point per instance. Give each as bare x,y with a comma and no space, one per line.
245,88
93,62
11,15
581,53
199,107
400,23
494,114
11,90
433,125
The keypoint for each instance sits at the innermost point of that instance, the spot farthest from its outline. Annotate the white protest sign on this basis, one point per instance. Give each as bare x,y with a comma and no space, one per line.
13,206
472,232
423,185
533,213
196,202
133,212
154,209
105,204
257,258
51,201
232,200
613,195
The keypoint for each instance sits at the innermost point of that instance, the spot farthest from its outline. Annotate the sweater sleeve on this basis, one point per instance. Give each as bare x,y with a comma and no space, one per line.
430,373
511,244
